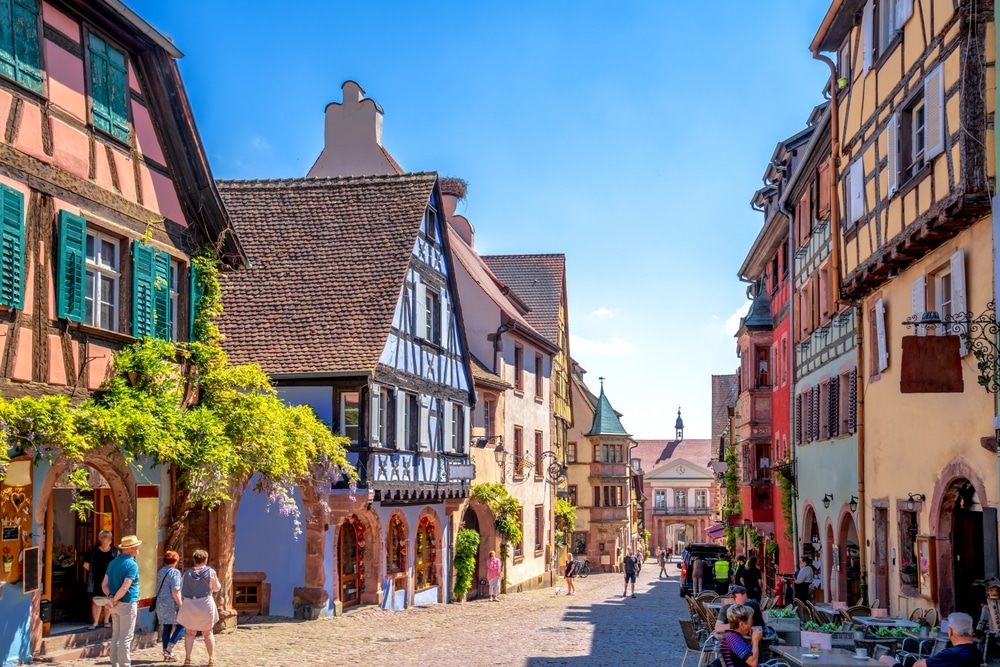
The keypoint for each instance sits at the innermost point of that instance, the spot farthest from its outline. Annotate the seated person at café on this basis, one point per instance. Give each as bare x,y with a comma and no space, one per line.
963,651
733,648
740,597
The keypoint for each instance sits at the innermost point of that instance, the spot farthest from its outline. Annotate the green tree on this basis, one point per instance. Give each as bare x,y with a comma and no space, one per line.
565,521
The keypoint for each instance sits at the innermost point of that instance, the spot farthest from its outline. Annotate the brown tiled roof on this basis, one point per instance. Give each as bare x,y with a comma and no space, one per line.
482,373
538,281
328,259
655,453
723,396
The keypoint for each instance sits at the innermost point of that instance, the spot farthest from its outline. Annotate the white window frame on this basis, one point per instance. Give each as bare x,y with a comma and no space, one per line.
679,495
701,499
98,268
343,415
660,501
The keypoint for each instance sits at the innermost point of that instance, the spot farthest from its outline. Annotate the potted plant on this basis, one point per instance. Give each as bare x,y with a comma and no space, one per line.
466,548
908,573
814,633
8,560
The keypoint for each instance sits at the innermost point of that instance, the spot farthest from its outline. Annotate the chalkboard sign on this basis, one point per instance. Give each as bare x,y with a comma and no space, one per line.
10,533
31,569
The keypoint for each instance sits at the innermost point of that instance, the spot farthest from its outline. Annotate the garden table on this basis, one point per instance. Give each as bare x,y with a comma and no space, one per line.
825,658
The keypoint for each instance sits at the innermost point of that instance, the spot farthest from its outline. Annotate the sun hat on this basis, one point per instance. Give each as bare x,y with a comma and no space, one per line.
129,541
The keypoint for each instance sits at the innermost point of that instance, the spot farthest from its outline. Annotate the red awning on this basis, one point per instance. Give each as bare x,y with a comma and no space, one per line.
715,531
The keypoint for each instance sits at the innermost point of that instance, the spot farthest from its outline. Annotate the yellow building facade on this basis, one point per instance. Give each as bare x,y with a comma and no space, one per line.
913,133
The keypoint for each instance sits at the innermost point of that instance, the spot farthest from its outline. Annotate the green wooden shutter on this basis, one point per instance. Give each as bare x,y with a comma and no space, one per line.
71,268
161,295
8,64
26,53
12,249
109,88
143,280
196,293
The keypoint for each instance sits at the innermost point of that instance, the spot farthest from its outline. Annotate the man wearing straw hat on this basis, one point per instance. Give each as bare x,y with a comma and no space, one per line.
121,584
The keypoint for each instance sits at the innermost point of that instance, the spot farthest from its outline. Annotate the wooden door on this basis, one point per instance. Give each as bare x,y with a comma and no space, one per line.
967,540
882,556
349,566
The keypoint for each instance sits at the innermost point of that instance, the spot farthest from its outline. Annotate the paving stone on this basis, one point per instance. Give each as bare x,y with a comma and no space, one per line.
542,628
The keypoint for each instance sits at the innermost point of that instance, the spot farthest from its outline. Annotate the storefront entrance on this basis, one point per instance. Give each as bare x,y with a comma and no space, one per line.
69,539
350,563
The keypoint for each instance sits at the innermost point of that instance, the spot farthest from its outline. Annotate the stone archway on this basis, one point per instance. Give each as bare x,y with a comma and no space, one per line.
850,554
430,556
833,586
956,504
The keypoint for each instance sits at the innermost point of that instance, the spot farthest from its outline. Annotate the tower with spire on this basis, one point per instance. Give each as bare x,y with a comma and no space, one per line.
679,425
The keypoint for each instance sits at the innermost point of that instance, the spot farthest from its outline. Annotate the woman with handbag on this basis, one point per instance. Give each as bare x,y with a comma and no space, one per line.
168,603
198,612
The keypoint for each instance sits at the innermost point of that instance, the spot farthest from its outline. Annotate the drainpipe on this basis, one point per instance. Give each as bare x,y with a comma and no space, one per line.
835,261
782,206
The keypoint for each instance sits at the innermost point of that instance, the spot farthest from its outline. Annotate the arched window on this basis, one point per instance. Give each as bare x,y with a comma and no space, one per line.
395,554
425,575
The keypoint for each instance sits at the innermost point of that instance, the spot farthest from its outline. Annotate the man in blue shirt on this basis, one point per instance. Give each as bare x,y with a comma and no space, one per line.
963,652
121,584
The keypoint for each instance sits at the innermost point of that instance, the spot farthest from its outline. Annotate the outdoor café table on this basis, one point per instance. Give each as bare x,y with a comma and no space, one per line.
827,657
938,641
886,622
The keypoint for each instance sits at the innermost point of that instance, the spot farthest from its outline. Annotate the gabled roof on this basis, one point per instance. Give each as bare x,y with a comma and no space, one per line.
495,290
654,454
539,281
670,470
328,258
606,420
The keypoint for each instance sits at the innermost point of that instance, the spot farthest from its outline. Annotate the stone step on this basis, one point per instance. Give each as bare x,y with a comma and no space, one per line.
86,644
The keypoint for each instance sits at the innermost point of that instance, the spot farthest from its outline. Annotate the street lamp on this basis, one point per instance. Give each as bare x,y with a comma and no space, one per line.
912,499
853,504
827,499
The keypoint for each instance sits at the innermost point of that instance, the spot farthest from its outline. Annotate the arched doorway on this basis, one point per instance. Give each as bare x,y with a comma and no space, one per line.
962,521
831,581
69,538
397,561
350,561
850,559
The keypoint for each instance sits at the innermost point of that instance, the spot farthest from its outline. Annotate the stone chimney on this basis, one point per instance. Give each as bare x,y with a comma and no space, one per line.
453,191
353,138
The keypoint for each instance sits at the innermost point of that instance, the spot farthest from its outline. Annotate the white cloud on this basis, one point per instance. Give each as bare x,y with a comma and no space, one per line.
584,346
258,142
601,314
733,323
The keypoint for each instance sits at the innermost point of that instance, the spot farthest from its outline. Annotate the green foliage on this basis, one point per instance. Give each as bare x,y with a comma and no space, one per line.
466,548
827,628
505,508
772,547
756,538
786,503
731,502
783,612
239,428
565,521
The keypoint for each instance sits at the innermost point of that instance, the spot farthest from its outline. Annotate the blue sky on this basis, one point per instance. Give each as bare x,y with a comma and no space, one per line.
629,136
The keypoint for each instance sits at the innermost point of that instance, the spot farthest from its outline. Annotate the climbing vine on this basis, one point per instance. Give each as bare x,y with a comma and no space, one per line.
183,404
731,505
506,509
786,503
565,521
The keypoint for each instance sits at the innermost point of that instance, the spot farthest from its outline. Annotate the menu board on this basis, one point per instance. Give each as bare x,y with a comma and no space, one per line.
31,569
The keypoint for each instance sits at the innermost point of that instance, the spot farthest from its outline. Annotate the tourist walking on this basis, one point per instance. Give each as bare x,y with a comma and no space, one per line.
168,603
493,574
198,612
663,564
751,579
631,570
569,573
121,584
95,564
698,574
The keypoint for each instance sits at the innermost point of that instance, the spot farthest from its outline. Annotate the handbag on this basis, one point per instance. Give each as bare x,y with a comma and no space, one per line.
154,617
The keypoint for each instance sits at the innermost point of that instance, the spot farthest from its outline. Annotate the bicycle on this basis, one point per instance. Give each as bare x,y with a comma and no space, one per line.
581,568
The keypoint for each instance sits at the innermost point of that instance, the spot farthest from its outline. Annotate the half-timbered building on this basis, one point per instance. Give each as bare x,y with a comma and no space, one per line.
105,193
912,109
350,306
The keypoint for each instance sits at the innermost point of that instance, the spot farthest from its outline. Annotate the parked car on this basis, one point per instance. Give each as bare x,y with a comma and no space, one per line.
709,553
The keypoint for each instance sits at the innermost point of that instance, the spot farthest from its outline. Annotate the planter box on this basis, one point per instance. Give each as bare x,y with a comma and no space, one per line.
784,624
810,637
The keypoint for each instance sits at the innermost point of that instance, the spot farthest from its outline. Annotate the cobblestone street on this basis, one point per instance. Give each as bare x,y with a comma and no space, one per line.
538,628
